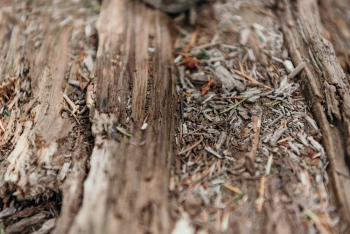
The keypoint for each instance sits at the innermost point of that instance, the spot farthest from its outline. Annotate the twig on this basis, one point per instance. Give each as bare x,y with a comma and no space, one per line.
121,130
74,116
209,150
239,196
7,113
146,118
2,126
241,69
248,77
182,108
206,126
75,109
193,40
236,98
232,188
191,147
78,59
342,173
234,106
206,45
275,68
260,11
276,103
261,199
83,110
285,139
80,82
14,101
76,83
296,70
70,102
268,165
5,156
244,75
84,76
256,127
258,73
314,217
87,83
246,68
275,121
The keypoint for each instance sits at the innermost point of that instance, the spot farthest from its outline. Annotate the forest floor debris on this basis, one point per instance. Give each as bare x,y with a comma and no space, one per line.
245,129
248,156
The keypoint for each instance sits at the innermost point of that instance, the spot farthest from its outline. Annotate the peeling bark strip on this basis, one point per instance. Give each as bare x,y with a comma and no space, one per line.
126,190
325,85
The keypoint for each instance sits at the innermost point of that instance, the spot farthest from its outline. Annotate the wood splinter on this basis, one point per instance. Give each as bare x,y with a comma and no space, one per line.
70,102
250,157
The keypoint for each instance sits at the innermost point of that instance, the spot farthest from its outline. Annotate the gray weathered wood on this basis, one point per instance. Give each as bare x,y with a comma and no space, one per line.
128,178
325,86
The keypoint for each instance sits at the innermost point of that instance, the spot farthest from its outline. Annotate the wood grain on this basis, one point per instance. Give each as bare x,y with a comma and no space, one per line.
126,190
322,77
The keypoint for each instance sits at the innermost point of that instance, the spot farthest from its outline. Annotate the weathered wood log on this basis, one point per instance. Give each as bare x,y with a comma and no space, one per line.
36,153
47,146
335,19
326,88
45,140
128,178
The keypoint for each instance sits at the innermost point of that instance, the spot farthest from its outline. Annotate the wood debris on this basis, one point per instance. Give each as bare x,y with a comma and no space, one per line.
251,124
92,140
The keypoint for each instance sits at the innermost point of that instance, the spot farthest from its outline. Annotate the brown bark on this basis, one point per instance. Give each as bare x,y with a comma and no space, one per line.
46,139
325,86
39,126
128,178
336,22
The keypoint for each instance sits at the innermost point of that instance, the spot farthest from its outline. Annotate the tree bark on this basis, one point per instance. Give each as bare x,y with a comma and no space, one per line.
325,86
335,19
128,178
116,180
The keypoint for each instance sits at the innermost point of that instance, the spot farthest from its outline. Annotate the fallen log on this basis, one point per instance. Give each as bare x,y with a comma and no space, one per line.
118,182
129,168
325,86
122,176
46,150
